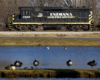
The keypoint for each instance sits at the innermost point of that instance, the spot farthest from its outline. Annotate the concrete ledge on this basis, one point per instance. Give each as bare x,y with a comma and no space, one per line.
16,33
50,34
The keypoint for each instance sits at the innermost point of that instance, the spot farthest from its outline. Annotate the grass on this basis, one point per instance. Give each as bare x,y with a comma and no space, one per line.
47,42
51,73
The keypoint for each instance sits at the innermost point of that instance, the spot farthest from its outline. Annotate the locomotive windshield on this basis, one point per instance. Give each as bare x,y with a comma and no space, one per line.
26,13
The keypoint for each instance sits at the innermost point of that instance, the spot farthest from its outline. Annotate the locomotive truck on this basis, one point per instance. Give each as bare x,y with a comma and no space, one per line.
62,18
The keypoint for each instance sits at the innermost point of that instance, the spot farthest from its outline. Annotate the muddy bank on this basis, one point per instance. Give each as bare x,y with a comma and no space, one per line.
51,73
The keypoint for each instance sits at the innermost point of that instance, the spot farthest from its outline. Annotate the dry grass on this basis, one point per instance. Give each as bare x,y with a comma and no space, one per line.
50,73
47,42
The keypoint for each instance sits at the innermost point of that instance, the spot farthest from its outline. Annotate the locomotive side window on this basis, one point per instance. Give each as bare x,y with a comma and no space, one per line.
23,12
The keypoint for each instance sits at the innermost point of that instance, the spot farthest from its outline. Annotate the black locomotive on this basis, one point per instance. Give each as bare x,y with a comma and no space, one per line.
40,18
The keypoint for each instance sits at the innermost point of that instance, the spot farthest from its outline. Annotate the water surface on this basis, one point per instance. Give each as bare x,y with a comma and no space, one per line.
54,57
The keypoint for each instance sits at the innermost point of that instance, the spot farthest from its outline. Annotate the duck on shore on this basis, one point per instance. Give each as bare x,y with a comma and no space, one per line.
11,67
69,63
26,68
92,63
18,63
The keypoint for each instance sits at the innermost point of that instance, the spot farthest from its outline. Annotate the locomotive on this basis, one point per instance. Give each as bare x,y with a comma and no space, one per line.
60,18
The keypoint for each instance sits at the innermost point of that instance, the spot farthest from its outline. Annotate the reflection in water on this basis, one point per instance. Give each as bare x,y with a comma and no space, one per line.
48,47
55,57
52,79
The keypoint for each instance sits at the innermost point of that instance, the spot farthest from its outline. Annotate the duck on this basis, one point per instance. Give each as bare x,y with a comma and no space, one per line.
69,63
18,63
8,67
26,68
11,67
36,63
92,63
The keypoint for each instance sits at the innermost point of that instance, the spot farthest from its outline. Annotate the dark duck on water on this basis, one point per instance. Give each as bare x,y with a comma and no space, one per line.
92,63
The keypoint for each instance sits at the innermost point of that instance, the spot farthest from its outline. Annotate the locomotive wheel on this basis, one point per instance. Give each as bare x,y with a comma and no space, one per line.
85,28
69,28
32,28
20,28
13,29
75,28
25,28
97,29
40,28
58,27
63,28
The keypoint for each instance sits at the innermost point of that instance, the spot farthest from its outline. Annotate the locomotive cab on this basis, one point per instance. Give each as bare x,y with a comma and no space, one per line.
26,13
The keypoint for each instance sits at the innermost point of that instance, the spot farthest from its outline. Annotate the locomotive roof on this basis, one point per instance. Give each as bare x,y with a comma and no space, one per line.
29,8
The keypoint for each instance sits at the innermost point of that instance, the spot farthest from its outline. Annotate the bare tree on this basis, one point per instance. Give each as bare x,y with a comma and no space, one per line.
8,7
38,2
93,5
42,3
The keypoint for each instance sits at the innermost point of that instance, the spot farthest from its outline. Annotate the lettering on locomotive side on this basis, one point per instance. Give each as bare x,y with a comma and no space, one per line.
61,15
26,17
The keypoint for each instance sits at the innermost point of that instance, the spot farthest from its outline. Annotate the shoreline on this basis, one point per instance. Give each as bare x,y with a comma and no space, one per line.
51,73
48,42
61,39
